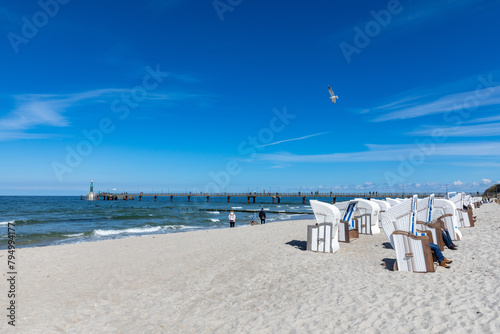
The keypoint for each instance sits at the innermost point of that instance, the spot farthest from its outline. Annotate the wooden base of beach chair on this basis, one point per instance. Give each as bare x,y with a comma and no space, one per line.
467,218
414,253
346,235
319,237
364,223
472,218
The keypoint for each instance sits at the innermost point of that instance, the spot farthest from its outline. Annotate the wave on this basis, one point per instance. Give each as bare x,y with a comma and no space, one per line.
73,235
6,223
236,207
215,220
180,227
133,230
214,212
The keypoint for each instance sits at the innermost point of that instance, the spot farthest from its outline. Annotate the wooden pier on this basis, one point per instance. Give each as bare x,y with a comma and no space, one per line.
251,196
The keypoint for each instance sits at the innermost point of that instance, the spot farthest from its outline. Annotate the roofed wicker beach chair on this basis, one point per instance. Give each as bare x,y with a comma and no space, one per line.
446,211
468,202
324,236
412,247
367,214
425,222
393,201
464,212
384,206
348,226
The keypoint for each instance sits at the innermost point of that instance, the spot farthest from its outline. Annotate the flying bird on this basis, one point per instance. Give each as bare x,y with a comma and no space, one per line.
333,97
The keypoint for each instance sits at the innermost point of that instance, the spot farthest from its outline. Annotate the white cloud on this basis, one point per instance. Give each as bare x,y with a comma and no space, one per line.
458,183
293,139
482,130
390,153
486,181
34,110
37,110
489,96
485,119
478,164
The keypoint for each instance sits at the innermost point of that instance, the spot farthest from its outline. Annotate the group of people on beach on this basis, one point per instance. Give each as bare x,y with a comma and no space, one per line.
232,218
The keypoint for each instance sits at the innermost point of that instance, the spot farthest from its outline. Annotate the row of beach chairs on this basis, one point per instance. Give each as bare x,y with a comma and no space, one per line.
410,225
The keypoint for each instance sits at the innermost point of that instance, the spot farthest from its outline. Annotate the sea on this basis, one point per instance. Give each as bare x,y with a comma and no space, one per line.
56,220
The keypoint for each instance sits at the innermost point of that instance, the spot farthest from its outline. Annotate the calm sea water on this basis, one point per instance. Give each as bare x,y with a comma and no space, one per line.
45,220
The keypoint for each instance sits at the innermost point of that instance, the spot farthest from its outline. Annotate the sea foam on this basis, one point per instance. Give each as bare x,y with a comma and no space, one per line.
73,235
134,230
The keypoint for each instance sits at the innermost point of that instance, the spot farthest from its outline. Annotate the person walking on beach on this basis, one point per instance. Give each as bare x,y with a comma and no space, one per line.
262,216
232,219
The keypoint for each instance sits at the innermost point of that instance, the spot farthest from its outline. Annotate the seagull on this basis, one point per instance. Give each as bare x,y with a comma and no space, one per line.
333,97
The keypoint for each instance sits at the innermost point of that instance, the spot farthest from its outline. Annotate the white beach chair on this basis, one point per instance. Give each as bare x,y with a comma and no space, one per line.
384,206
324,235
368,215
412,247
348,226
393,201
425,222
464,215
365,217
446,211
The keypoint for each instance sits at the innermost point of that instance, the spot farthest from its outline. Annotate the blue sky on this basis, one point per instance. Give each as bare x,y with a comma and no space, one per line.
231,95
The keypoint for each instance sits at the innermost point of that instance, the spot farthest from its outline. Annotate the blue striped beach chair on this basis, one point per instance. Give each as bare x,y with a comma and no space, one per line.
412,246
426,221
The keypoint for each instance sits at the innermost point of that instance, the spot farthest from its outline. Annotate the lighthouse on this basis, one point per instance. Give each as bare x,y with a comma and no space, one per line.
91,196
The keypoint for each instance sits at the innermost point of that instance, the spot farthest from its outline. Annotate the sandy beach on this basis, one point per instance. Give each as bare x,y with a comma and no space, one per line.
254,279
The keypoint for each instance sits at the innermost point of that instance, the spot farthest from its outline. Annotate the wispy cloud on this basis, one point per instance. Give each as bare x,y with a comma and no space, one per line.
388,153
490,96
481,130
480,164
413,14
484,119
22,135
33,111
293,139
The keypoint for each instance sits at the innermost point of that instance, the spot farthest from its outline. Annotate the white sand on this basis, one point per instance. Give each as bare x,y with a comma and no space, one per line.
255,279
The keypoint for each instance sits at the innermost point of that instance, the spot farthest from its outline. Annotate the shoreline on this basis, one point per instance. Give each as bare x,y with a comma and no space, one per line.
254,279
120,234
